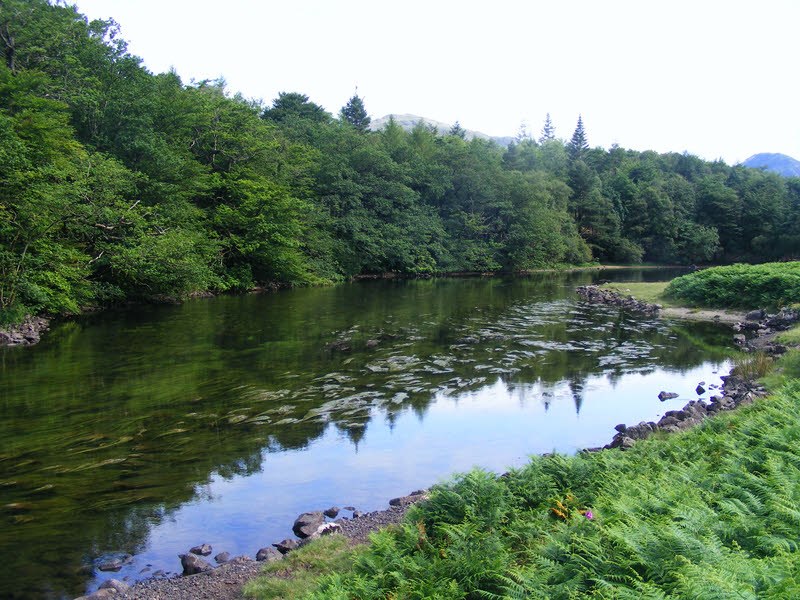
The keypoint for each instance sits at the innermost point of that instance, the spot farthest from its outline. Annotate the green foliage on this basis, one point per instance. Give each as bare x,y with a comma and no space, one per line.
709,513
746,286
105,167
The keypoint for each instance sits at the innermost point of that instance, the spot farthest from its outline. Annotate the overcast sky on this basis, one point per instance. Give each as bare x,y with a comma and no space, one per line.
715,78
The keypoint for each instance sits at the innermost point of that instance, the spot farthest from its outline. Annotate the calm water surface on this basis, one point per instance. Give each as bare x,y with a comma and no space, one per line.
218,421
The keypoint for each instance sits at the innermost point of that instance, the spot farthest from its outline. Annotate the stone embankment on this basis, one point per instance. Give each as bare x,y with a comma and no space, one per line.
735,392
592,293
26,333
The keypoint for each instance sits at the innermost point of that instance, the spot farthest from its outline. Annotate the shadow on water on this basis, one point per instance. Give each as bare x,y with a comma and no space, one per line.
117,420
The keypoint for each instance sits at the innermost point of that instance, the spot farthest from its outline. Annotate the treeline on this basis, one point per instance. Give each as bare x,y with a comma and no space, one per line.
119,184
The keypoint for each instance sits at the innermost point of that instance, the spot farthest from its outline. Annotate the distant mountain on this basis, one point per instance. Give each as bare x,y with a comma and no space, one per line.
407,122
775,163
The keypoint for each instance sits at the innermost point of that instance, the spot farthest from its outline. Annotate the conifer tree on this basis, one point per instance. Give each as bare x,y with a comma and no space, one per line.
458,131
578,144
548,131
354,113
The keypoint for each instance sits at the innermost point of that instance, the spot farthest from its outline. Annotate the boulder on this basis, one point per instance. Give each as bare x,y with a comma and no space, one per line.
700,390
223,557
324,529
193,564
755,315
667,396
739,339
268,555
202,550
331,512
287,546
307,523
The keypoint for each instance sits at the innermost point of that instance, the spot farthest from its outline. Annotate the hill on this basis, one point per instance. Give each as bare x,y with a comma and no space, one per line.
775,163
407,122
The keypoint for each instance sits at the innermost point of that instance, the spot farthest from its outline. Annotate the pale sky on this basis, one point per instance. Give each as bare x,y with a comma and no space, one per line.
715,78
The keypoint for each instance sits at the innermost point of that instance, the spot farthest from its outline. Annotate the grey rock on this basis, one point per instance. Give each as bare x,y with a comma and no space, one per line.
739,339
666,395
324,529
287,545
357,514
403,500
268,555
331,512
222,557
621,427
193,564
700,390
202,550
307,523
349,507
755,315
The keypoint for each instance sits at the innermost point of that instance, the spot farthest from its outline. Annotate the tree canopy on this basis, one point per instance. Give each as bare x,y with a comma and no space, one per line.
118,184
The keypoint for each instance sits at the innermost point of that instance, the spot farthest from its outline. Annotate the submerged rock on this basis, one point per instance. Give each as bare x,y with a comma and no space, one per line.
118,586
667,396
331,512
202,550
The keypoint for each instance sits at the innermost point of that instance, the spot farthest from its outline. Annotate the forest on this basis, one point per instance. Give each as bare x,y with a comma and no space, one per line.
118,184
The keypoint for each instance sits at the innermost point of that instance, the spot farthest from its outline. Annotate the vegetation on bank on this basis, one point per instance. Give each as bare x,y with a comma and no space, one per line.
769,285
120,184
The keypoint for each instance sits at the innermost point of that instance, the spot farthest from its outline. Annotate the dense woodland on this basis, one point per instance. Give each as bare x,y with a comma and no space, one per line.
119,184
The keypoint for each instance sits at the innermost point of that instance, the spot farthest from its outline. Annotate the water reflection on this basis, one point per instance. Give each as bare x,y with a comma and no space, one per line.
150,429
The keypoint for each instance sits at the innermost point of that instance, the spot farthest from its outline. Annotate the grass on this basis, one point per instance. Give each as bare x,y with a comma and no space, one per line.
652,292
790,336
299,573
752,366
712,512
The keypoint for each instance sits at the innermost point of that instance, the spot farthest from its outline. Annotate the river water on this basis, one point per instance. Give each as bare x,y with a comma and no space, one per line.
153,429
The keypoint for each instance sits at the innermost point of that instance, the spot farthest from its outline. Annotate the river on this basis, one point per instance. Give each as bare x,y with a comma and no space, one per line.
155,428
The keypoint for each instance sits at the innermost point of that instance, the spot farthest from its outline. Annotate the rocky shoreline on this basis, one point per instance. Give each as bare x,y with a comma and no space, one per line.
735,390
27,333
201,580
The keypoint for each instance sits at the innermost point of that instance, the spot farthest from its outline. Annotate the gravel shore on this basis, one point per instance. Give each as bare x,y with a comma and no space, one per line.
226,581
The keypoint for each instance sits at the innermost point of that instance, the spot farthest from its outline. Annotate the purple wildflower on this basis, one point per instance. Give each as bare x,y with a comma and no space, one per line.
589,515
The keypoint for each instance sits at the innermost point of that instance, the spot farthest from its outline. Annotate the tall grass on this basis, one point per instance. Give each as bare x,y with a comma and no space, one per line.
713,512
768,285
752,366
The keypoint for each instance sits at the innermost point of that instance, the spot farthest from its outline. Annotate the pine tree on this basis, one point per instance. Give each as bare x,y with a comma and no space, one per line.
578,144
458,131
354,113
548,131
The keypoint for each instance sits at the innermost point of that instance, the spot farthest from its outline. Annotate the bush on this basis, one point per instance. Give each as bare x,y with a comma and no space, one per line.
768,285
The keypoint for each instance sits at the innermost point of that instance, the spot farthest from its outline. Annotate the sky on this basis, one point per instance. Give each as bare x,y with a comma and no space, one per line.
714,78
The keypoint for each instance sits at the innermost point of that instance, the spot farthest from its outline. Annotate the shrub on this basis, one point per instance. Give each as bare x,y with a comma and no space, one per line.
767,285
